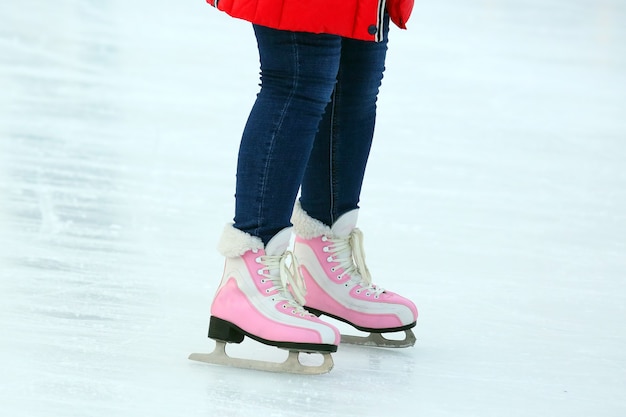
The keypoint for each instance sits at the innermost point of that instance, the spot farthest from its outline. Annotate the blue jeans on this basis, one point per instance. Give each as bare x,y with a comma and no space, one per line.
310,128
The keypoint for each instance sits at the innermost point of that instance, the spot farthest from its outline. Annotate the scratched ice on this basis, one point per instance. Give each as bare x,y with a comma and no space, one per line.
495,197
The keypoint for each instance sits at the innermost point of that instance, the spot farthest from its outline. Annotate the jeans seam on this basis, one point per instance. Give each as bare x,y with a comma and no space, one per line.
331,157
277,129
334,132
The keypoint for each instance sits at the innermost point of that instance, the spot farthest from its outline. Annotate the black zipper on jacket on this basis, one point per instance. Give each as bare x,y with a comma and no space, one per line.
381,19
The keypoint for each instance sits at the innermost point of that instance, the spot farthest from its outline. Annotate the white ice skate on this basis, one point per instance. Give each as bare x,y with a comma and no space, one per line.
261,296
339,285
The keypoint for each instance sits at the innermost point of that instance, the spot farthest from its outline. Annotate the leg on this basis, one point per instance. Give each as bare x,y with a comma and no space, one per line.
328,245
260,294
334,174
298,75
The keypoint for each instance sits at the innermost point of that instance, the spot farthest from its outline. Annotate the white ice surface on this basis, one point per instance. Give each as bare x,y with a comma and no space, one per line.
495,197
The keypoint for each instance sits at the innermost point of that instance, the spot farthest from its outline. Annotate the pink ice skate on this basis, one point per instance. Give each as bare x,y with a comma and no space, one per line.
339,285
260,296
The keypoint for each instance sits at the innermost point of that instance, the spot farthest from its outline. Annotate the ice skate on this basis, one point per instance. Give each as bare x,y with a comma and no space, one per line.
261,296
339,285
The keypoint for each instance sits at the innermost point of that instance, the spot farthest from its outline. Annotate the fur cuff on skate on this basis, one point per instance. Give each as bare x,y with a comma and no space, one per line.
306,226
235,243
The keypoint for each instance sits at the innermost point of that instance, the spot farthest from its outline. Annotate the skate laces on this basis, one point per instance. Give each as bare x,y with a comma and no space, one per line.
350,254
288,282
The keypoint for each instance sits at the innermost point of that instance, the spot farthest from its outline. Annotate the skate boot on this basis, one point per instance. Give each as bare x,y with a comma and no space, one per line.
261,296
339,285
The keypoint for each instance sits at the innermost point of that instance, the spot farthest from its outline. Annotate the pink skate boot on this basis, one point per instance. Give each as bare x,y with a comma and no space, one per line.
260,297
339,285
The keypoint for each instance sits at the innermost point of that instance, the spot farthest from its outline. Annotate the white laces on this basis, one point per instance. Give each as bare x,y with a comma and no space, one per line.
288,281
350,254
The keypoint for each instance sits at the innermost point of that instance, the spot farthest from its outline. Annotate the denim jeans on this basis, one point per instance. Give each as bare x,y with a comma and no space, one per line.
310,128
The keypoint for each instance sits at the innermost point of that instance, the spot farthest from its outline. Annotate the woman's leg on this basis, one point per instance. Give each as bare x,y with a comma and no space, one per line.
334,175
298,75
328,246
259,296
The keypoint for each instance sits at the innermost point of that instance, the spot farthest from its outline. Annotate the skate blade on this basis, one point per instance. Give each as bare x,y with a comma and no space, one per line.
291,365
378,340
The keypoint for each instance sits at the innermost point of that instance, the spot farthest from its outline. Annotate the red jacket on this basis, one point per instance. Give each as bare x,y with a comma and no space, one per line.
358,19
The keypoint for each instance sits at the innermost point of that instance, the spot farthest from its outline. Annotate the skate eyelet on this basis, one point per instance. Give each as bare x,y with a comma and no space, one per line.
267,291
325,249
345,285
358,291
285,306
367,294
293,311
263,281
376,297
255,251
324,239
339,277
257,259
333,269
329,259
260,271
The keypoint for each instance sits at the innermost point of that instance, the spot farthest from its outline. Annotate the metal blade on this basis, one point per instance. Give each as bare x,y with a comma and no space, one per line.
378,340
291,365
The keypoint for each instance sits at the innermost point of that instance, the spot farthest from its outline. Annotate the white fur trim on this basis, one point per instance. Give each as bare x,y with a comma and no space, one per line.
235,242
306,226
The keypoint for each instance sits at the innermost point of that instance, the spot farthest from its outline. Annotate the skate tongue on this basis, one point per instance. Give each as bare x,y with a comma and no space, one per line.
344,225
279,243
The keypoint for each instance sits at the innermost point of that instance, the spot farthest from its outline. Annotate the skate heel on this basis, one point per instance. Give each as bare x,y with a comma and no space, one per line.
225,331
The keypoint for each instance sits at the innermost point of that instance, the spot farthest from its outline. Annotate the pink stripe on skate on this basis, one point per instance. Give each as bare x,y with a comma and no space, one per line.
389,297
318,299
232,305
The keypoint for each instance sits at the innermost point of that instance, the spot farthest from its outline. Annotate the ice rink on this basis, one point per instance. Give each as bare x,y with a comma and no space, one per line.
498,170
